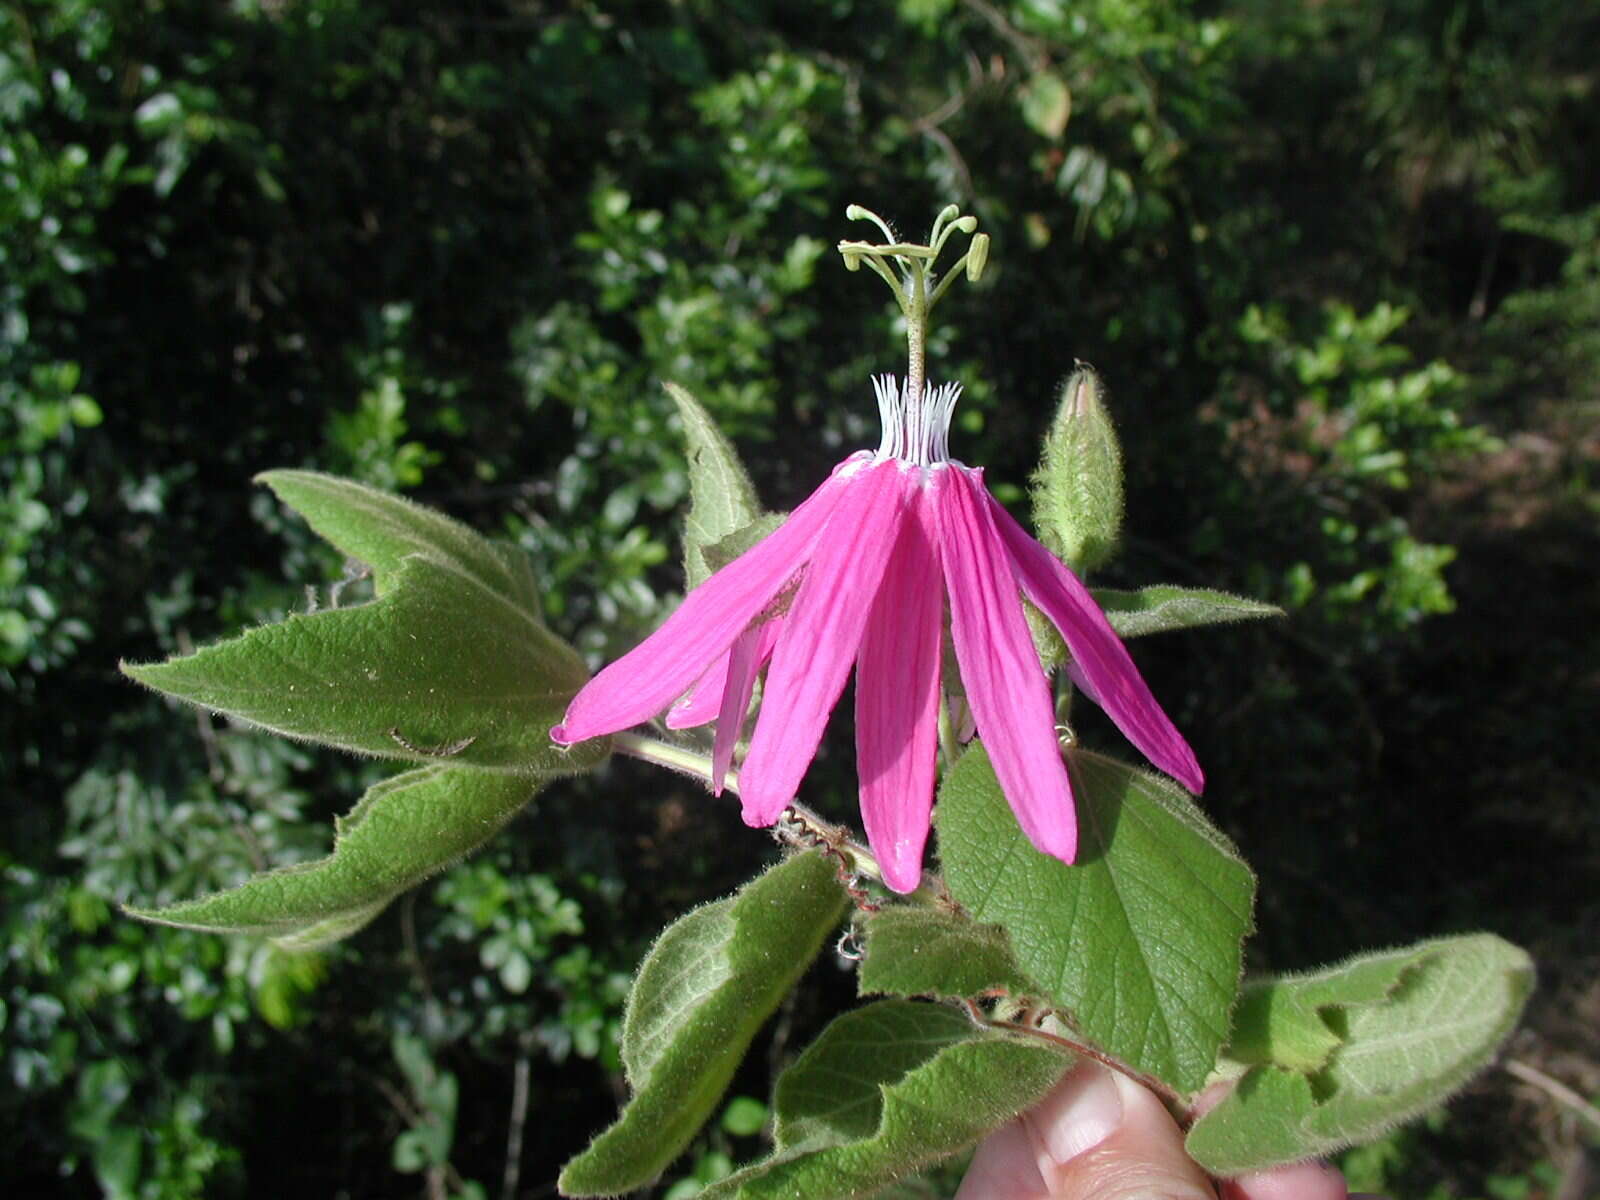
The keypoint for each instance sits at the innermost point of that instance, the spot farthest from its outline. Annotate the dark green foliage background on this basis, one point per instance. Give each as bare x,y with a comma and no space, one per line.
454,249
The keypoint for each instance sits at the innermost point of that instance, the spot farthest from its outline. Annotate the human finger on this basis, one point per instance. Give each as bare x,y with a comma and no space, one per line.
1098,1136
1298,1181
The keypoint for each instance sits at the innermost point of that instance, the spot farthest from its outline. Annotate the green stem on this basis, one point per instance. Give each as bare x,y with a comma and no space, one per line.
665,754
916,337
1160,1087
948,743
692,762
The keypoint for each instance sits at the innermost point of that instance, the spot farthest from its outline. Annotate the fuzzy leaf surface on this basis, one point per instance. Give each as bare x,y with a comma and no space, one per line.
1077,488
913,951
1447,1008
405,829
1158,609
725,549
722,499
886,1090
702,993
382,529
441,666
1140,941
1289,1022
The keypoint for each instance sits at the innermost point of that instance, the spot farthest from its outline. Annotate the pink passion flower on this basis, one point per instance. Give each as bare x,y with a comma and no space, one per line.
858,576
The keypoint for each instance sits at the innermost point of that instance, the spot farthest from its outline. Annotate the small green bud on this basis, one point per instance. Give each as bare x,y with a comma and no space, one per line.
1077,490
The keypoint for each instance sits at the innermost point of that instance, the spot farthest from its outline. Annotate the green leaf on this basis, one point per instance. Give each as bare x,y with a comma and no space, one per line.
436,1093
382,530
1158,609
1141,940
1077,489
1412,1025
701,995
725,549
913,951
441,667
404,829
1286,1022
328,930
1046,104
118,1158
722,499
886,1090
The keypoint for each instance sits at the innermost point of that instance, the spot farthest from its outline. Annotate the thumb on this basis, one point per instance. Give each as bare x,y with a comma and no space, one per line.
1098,1136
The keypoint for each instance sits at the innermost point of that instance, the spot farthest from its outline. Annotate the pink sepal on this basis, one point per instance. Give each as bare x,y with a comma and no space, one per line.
820,637
1006,687
659,669
704,701
744,662
1101,664
897,701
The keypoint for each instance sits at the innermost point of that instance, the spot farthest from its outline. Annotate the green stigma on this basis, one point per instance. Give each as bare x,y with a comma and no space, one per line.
916,287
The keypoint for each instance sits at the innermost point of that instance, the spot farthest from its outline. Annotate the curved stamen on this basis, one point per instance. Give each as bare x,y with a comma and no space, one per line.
918,288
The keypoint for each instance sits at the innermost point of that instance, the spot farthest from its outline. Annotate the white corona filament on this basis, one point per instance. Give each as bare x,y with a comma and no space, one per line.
916,429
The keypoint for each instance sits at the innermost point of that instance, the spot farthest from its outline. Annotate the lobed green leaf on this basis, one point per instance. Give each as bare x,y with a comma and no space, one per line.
405,829
722,500
1140,941
442,666
381,530
1155,609
1412,1026
886,1090
1288,1022
702,993
914,951
1162,608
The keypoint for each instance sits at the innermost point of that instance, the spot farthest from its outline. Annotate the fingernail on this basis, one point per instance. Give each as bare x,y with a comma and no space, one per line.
1087,1112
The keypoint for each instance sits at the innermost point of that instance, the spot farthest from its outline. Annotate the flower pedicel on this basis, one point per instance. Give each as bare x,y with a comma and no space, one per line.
857,576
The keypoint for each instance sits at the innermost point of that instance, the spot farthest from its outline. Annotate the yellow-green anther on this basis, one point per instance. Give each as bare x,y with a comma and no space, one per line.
913,281
977,256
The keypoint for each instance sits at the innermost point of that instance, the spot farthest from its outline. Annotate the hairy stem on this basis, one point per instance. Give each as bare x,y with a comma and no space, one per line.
1172,1098
816,830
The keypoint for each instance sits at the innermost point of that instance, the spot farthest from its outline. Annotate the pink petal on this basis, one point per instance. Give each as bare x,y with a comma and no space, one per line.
1081,681
704,701
1101,664
650,676
820,638
1009,694
897,702
744,663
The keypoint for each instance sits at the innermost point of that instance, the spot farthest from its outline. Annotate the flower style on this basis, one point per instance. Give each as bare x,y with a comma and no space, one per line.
858,577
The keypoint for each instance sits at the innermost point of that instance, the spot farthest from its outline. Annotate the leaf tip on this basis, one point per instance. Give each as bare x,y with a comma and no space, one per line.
144,673
278,479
